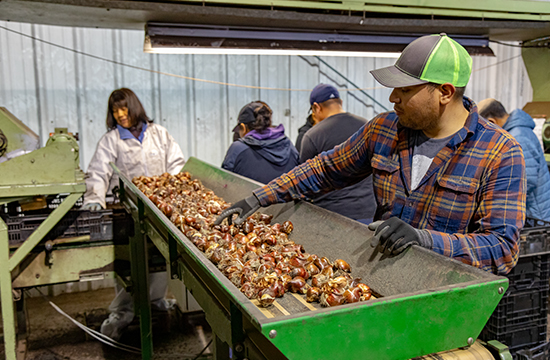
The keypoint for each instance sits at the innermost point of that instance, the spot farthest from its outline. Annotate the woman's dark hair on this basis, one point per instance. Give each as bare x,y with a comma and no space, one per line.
125,98
263,117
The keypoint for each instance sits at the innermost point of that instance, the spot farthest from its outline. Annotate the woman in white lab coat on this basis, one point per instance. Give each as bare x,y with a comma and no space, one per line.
137,147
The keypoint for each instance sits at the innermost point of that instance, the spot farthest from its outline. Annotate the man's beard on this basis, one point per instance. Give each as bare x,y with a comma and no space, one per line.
420,121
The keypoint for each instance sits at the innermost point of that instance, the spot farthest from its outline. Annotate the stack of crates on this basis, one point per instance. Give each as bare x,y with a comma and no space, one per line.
520,319
102,225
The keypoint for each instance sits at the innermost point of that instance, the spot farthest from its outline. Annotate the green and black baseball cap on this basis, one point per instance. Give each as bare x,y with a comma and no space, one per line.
431,58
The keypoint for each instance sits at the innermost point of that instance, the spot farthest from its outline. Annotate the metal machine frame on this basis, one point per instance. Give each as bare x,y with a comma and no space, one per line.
51,170
27,176
432,303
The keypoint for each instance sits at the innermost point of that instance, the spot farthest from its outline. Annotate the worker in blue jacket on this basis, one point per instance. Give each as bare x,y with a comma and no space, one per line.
520,125
262,152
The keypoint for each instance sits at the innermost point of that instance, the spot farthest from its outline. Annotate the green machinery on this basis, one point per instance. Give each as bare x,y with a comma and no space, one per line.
429,302
51,170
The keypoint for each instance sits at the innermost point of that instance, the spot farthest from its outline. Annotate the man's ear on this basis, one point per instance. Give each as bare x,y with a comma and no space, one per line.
447,92
315,107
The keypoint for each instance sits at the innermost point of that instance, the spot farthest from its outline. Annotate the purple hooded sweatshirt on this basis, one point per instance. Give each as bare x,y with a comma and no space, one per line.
262,156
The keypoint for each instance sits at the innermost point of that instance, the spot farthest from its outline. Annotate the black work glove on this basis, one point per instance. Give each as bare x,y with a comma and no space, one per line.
243,208
394,235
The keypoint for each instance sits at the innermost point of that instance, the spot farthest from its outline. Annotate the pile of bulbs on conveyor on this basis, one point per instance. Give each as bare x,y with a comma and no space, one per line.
256,256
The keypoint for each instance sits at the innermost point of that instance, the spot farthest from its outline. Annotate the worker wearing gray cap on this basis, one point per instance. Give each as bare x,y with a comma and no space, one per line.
444,178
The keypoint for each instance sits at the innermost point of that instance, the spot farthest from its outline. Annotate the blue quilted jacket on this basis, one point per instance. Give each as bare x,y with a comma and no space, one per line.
520,125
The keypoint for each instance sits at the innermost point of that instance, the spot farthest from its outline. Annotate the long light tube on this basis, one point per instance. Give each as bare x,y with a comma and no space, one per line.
229,51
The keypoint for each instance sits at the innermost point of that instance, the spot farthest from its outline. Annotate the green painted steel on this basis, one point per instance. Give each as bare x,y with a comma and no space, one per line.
165,228
431,303
11,193
53,169
536,60
391,329
501,349
19,135
140,281
53,164
489,9
73,263
43,229
8,319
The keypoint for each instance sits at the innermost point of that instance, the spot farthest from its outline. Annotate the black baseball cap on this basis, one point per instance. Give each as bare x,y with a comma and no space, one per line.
322,93
246,115
432,58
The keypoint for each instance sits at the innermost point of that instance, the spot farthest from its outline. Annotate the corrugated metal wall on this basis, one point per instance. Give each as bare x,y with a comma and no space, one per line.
47,86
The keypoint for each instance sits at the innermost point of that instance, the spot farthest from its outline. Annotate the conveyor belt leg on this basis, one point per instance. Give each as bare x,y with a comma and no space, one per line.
140,282
221,349
8,315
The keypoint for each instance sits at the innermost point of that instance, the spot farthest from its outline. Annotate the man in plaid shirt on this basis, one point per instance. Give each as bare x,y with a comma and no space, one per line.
444,178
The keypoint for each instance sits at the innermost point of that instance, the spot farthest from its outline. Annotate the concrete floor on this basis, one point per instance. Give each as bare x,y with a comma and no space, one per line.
53,337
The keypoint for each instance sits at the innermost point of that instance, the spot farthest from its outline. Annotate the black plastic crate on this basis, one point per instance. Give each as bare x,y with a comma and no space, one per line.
540,352
534,237
525,337
517,309
99,225
520,319
532,272
534,240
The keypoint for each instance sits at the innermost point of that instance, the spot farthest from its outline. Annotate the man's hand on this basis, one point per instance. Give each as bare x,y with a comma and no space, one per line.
92,207
243,209
394,235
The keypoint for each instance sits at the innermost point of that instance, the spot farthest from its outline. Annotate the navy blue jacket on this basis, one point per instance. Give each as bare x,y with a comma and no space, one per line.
261,159
520,125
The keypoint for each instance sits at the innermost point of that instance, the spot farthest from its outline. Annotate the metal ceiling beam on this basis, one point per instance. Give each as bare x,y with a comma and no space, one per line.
488,9
384,16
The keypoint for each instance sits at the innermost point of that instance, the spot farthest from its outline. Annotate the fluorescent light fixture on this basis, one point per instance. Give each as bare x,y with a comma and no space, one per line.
161,38
236,51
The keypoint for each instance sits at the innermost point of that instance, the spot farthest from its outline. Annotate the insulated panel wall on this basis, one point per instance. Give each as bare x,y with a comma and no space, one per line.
49,86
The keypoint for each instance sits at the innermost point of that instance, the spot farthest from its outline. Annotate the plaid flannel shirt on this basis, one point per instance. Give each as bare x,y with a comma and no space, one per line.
471,200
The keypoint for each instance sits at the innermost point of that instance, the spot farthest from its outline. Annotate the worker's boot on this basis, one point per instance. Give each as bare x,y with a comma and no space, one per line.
116,323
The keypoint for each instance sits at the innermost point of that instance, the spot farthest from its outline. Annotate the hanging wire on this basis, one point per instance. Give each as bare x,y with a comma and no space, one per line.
93,333
203,350
522,45
165,73
497,63
107,340
220,82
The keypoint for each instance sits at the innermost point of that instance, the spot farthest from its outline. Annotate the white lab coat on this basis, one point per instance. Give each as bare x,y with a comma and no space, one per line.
157,154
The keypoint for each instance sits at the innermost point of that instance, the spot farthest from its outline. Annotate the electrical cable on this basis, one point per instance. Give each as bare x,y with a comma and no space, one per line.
103,338
97,335
165,73
93,333
497,63
203,350
224,83
522,45
238,85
